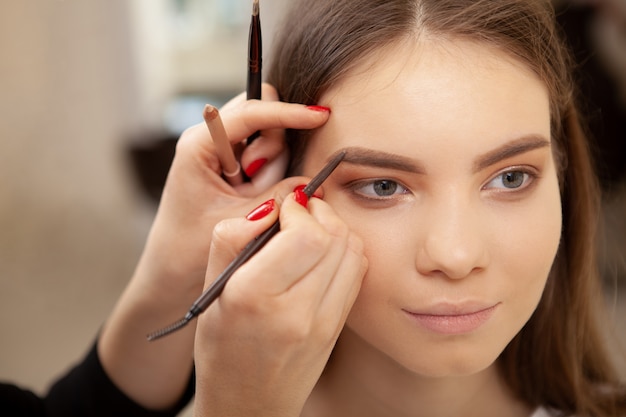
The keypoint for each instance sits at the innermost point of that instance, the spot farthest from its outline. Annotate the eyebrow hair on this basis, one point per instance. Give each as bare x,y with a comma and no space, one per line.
509,150
380,159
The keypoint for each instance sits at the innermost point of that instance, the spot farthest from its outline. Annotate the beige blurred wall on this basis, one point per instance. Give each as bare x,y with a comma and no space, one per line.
70,221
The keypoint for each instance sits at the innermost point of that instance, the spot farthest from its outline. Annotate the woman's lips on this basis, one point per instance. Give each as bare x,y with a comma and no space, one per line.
453,319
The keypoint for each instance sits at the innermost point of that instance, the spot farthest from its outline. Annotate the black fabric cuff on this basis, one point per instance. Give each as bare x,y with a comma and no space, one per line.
18,402
87,391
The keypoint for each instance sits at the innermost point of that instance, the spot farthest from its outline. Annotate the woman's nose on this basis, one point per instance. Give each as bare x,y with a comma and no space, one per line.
454,242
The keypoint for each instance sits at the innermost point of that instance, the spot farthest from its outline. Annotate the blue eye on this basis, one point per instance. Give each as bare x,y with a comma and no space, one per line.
379,188
510,180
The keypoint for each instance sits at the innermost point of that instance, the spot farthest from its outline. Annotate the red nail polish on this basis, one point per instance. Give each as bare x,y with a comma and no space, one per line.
319,108
301,188
255,166
301,198
262,210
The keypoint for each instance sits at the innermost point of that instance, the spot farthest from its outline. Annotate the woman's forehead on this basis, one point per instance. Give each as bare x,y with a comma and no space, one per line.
448,82
462,95
430,56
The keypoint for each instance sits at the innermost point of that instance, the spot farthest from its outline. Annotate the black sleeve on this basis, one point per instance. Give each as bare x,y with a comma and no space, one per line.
87,391
17,402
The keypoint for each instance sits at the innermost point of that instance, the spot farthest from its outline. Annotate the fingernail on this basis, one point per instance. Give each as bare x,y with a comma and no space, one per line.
301,198
319,108
262,210
301,188
255,166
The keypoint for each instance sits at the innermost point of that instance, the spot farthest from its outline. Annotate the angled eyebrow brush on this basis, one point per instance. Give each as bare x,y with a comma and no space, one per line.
216,288
255,61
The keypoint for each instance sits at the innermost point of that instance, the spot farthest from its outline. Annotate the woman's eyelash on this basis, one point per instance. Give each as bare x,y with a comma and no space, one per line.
377,189
512,179
509,180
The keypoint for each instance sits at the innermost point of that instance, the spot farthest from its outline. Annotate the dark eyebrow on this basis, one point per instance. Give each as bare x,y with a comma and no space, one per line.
509,150
378,159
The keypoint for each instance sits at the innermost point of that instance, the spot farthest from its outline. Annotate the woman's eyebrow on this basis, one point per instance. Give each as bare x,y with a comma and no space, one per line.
369,157
379,159
510,149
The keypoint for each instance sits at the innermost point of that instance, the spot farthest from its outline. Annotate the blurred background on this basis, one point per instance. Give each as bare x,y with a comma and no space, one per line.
92,98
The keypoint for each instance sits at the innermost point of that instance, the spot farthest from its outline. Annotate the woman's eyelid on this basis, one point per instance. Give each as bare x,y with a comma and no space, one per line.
358,185
532,172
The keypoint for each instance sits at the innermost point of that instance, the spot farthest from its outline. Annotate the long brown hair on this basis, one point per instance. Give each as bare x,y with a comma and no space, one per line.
559,358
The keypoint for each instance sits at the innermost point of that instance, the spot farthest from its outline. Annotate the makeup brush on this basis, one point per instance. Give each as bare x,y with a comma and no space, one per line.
255,61
216,288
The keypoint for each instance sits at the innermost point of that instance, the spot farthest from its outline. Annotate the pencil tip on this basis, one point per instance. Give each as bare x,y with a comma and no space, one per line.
255,8
210,112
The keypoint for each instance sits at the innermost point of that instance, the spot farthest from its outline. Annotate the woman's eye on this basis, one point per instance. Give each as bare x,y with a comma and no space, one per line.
510,180
379,188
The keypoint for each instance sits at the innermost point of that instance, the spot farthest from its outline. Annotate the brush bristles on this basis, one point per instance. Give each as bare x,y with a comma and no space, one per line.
167,330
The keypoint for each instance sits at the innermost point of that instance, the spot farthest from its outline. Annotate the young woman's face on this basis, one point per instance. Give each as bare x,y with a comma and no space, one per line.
450,181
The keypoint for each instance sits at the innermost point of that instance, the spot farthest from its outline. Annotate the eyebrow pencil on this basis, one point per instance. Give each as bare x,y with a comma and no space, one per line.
216,288
255,51
230,167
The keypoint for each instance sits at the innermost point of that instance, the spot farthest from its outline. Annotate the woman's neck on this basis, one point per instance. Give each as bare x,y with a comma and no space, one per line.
362,381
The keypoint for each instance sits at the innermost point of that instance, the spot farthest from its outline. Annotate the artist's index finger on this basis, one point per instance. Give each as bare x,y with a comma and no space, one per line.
255,115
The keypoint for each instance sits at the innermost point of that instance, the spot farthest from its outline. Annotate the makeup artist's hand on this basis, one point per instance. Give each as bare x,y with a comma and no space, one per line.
171,271
262,345
196,196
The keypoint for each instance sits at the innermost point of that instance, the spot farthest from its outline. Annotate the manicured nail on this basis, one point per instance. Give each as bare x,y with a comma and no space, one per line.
255,166
300,197
319,108
262,210
301,188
